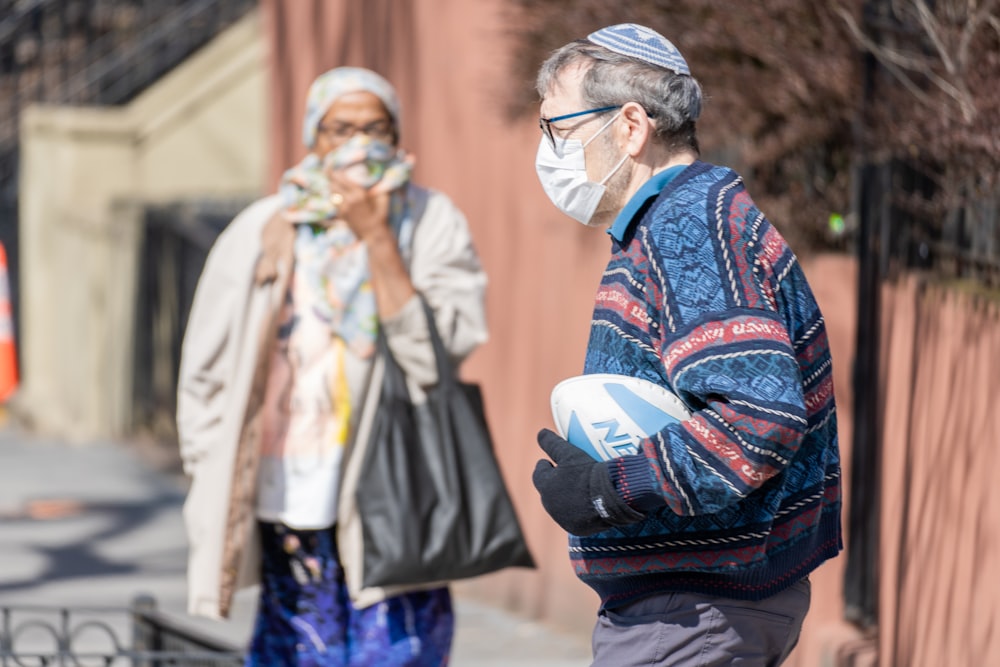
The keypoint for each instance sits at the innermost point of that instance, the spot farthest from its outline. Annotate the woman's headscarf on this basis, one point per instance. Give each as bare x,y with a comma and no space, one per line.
331,86
304,187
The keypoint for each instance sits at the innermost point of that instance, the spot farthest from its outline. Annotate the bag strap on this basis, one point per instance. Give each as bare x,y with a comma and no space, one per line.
445,369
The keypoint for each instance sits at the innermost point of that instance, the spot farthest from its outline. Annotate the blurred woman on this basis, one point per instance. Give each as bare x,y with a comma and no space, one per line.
278,383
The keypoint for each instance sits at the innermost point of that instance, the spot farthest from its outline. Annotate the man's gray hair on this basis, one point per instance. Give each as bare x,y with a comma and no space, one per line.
672,100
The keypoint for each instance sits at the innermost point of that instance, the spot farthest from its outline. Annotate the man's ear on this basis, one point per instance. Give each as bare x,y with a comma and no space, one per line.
639,127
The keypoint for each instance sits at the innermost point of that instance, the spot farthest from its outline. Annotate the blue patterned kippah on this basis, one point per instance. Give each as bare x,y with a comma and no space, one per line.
640,42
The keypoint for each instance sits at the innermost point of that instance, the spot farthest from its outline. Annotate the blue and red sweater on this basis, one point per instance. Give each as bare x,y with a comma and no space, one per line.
703,296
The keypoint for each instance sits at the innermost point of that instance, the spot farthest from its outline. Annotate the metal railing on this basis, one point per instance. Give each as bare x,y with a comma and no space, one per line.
94,52
88,52
139,635
177,238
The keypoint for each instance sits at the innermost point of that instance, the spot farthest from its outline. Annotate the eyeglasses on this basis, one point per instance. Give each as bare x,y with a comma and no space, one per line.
339,132
546,123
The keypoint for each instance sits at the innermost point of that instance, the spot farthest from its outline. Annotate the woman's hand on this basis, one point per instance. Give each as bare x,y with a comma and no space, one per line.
365,211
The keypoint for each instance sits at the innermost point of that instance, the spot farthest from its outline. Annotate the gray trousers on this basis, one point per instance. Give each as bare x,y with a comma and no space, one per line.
688,630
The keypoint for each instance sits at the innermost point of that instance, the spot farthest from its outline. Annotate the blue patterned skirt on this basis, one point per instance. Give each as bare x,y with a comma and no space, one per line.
305,617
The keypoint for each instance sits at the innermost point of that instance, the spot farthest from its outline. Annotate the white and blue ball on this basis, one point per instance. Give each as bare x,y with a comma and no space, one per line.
608,415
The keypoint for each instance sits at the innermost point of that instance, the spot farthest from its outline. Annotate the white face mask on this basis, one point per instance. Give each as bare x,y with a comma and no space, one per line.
563,173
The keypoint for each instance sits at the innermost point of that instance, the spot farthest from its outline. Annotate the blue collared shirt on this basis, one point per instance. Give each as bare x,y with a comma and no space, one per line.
649,189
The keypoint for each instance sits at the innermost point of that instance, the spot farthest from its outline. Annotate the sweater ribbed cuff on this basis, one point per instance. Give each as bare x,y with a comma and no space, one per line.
635,483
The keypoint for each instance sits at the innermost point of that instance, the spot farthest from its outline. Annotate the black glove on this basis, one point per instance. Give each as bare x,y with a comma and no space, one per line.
578,492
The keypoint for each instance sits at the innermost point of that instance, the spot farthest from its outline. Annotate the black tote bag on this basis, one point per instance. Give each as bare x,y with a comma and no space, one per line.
432,501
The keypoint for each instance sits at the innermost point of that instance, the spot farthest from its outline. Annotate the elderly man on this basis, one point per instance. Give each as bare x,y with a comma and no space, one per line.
700,544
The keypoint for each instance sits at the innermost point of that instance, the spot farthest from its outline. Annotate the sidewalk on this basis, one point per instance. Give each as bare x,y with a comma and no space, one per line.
96,525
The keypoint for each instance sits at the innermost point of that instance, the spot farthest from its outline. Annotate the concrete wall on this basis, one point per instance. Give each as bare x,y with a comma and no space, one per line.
199,131
940,513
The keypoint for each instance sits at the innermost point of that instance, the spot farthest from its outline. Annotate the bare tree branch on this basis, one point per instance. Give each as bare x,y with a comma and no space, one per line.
927,21
896,61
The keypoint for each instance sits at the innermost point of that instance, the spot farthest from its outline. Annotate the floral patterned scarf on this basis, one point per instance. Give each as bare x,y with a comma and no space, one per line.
327,254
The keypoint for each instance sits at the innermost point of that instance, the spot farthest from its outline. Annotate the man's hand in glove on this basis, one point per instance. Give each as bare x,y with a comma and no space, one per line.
578,492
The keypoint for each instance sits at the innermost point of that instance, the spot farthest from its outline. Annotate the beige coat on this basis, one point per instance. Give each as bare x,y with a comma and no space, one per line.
224,368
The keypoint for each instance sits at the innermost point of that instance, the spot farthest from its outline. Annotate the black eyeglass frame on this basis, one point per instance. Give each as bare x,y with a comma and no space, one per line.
546,123
340,132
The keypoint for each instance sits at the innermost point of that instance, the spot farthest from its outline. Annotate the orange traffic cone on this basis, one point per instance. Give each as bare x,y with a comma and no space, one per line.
8,354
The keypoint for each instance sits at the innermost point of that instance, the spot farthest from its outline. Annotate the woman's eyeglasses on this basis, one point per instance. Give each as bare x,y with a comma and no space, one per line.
339,132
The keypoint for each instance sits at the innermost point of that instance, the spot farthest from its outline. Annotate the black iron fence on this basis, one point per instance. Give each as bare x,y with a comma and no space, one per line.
899,231
140,635
94,52
177,238
926,218
88,53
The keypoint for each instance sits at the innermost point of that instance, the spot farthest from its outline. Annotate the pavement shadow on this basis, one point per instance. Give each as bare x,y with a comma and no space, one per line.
82,553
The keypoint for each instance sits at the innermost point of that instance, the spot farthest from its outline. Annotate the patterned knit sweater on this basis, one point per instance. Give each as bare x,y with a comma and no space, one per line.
702,295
